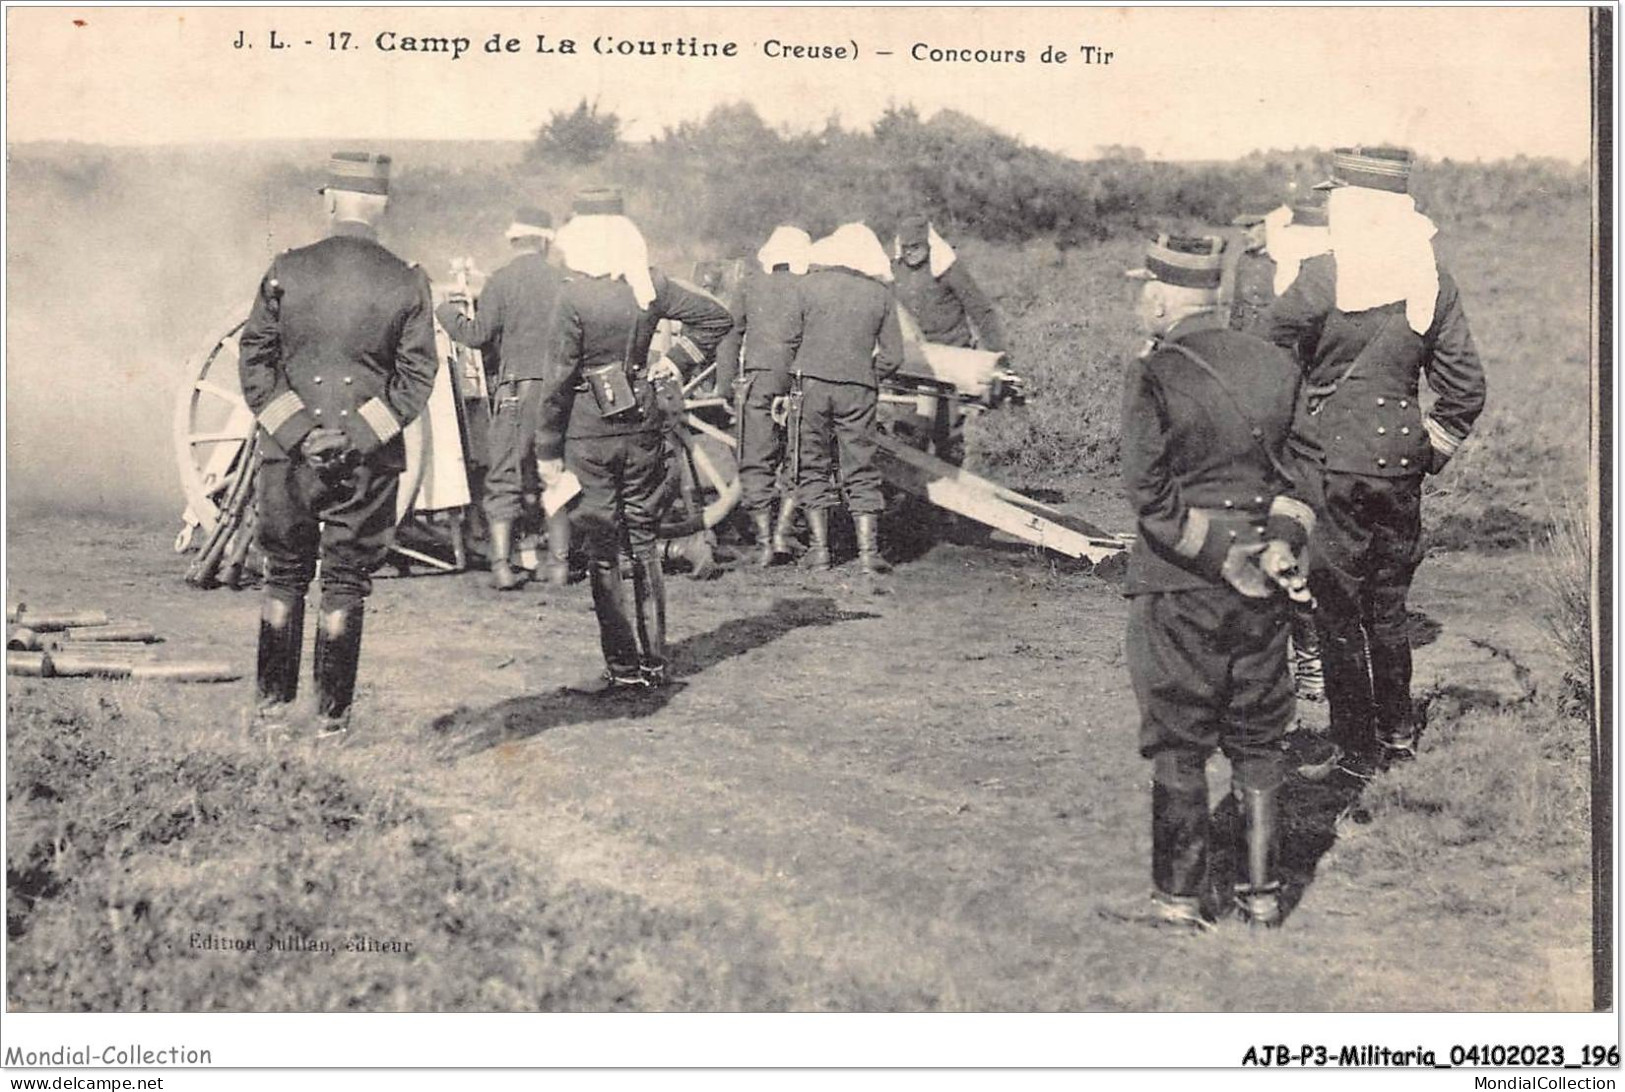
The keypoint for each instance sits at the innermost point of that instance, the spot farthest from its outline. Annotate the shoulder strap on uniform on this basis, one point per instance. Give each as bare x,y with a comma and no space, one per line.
1315,395
1253,429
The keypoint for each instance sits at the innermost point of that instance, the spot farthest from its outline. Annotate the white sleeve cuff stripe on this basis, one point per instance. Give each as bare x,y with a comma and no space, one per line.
1193,533
377,415
1440,437
1294,510
281,410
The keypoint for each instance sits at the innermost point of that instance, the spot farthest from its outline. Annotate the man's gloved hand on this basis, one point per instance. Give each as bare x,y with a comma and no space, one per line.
329,451
1282,566
1243,572
549,470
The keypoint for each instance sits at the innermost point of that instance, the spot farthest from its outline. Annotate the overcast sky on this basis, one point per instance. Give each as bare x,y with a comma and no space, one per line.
1182,83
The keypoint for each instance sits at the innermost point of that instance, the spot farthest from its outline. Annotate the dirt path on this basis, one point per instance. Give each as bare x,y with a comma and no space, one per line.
919,799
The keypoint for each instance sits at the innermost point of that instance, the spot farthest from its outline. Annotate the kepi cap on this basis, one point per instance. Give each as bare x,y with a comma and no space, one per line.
359,172
1387,169
1183,261
1309,214
531,221
913,230
600,201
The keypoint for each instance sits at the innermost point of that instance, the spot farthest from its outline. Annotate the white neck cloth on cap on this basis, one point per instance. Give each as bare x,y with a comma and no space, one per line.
608,246
786,246
1289,245
1384,250
854,247
942,255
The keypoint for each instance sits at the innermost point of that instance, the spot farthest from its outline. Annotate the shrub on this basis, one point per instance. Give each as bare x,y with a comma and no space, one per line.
581,136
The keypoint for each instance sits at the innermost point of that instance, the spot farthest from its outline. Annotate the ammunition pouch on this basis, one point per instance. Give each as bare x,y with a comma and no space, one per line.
611,390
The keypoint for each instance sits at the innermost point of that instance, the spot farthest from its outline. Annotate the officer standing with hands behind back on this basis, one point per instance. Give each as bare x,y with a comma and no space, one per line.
1221,530
337,357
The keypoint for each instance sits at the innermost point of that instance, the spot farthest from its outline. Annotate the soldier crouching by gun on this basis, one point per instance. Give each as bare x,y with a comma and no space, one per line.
766,320
1206,414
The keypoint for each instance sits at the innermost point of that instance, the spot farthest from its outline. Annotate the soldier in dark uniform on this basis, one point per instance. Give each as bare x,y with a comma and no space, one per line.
1366,321
1221,528
599,412
936,289
849,340
514,310
767,317
1274,246
337,357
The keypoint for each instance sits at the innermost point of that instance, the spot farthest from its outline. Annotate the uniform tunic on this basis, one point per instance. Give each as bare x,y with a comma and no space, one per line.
767,317
947,308
849,341
620,460
1366,443
1252,291
341,335
512,325
1208,664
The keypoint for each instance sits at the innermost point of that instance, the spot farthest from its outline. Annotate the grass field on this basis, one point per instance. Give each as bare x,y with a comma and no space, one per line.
956,830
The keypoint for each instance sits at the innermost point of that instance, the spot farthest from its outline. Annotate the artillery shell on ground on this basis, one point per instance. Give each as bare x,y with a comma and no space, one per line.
79,665
123,630
37,664
23,639
125,651
186,671
46,622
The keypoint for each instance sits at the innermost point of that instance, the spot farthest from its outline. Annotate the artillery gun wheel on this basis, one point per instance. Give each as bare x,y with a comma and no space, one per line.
709,465
212,427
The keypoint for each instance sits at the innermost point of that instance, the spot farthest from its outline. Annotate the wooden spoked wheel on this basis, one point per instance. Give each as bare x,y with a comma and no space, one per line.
213,425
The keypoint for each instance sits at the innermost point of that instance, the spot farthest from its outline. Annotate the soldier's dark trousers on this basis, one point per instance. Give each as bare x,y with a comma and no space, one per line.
624,492
1367,544
761,442
1209,669
838,429
348,524
512,446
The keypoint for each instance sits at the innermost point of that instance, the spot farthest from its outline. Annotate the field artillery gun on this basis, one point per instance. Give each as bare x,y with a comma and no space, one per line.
216,440
936,383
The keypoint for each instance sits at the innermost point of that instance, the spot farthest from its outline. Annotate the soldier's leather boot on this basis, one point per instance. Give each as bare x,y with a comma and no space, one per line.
783,525
817,555
649,592
1348,696
617,635
282,636
1258,897
338,653
556,569
503,575
762,521
1391,684
869,560
1179,840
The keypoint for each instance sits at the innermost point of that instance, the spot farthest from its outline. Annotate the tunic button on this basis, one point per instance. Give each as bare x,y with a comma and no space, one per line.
1382,401
318,413
1382,462
315,379
1403,403
1404,462
1258,434
1406,431
1381,431
348,380
344,413
1229,503
1232,534
1258,500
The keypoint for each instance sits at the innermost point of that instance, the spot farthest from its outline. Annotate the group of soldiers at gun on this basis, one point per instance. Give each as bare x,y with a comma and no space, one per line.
1273,449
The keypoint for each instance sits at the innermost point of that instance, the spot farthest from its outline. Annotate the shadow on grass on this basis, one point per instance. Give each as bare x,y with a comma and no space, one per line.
466,732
